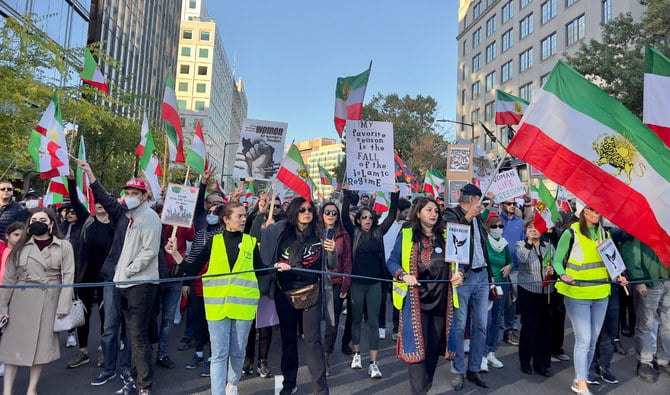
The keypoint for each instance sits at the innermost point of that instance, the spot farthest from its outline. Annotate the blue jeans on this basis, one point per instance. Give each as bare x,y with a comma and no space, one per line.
587,318
473,295
228,340
494,318
169,294
110,336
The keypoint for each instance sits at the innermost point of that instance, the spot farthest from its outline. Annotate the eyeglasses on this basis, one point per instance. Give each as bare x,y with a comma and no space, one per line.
6,189
367,216
330,212
304,209
214,202
501,226
70,212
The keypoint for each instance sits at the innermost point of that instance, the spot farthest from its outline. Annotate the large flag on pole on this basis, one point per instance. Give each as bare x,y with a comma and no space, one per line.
91,74
197,153
170,114
433,183
399,167
51,126
143,136
294,175
327,179
583,139
83,183
152,170
509,108
48,156
147,150
349,95
411,179
656,105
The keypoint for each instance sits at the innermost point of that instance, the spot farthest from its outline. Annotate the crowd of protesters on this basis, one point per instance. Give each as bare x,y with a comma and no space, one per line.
277,252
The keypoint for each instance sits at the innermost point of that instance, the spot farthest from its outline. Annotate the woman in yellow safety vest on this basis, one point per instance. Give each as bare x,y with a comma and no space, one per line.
230,299
425,307
585,285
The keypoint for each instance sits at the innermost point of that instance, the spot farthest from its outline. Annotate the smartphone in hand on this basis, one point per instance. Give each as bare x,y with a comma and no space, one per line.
331,234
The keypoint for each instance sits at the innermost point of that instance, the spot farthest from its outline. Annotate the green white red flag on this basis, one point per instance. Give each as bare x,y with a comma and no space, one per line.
151,172
381,203
91,73
143,136
583,139
197,153
51,126
349,95
170,114
294,175
83,183
327,179
546,211
656,105
48,156
509,108
433,183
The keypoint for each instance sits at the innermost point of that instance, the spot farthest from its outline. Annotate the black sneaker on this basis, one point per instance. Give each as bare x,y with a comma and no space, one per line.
247,368
195,362
205,369
607,376
263,369
80,359
593,379
185,343
102,378
165,362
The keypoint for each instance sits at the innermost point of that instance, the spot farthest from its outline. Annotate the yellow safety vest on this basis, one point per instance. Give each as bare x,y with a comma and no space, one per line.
400,287
236,295
585,263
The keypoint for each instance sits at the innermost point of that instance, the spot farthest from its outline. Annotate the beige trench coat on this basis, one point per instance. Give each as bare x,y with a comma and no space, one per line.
29,338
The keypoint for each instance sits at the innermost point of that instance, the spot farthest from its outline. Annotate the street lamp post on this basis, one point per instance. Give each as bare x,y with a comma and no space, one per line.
472,126
225,146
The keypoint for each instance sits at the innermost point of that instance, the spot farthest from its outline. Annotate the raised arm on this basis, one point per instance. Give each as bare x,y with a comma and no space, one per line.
77,206
346,219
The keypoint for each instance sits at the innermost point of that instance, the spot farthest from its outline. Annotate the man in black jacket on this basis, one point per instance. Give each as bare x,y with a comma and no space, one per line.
473,295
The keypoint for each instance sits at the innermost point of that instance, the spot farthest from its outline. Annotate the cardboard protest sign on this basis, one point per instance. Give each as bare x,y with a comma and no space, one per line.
459,170
179,205
370,163
260,150
612,258
507,185
458,243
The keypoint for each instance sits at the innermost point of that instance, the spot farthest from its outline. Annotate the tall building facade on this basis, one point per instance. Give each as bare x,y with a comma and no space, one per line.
142,35
327,153
206,89
512,45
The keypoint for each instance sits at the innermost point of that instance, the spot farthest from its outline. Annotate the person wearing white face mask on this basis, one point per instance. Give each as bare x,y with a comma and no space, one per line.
32,201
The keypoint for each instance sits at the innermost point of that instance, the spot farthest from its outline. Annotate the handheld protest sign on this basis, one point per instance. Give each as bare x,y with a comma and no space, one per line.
459,171
612,258
179,205
458,243
506,185
260,150
370,162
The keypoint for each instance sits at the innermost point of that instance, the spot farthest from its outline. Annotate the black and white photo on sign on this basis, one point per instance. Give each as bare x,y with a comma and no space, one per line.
612,258
458,243
455,190
260,149
459,159
179,205
370,163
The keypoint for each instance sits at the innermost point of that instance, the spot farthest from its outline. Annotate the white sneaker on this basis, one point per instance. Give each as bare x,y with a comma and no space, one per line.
373,370
484,366
231,390
2,369
382,333
466,345
495,362
122,345
71,341
356,361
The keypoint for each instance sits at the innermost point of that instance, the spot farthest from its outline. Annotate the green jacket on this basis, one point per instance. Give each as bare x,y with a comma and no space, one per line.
641,261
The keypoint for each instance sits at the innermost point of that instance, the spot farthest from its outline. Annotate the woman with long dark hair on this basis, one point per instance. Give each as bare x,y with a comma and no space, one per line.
41,257
297,243
330,217
425,307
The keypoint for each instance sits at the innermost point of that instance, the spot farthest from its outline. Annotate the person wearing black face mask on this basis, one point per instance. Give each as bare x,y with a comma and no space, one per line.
29,338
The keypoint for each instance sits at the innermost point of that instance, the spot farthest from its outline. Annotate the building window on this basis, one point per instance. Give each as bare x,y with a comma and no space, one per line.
465,21
507,71
575,30
463,72
191,4
202,70
526,91
187,34
181,105
524,3
476,62
463,97
526,26
544,79
204,35
203,53
568,3
474,117
183,86
607,10
548,11
491,52
476,10
490,25
476,89
200,105
201,88
489,111
465,44
185,51
526,59
507,40
548,46
477,37
183,69
507,11
490,81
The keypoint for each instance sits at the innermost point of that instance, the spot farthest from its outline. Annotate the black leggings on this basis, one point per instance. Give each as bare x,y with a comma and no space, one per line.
421,373
264,341
86,295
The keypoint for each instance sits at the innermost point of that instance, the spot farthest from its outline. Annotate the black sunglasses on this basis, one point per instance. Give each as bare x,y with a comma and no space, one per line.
303,209
501,226
330,212
6,189
367,216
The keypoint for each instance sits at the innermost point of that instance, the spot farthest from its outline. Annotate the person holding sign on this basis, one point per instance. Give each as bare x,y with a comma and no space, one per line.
474,294
230,299
585,285
425,308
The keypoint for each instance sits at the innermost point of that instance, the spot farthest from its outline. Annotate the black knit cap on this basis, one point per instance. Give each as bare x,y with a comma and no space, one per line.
471,190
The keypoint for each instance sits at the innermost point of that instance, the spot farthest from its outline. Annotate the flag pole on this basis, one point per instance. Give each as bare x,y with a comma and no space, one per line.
188,170
165,156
